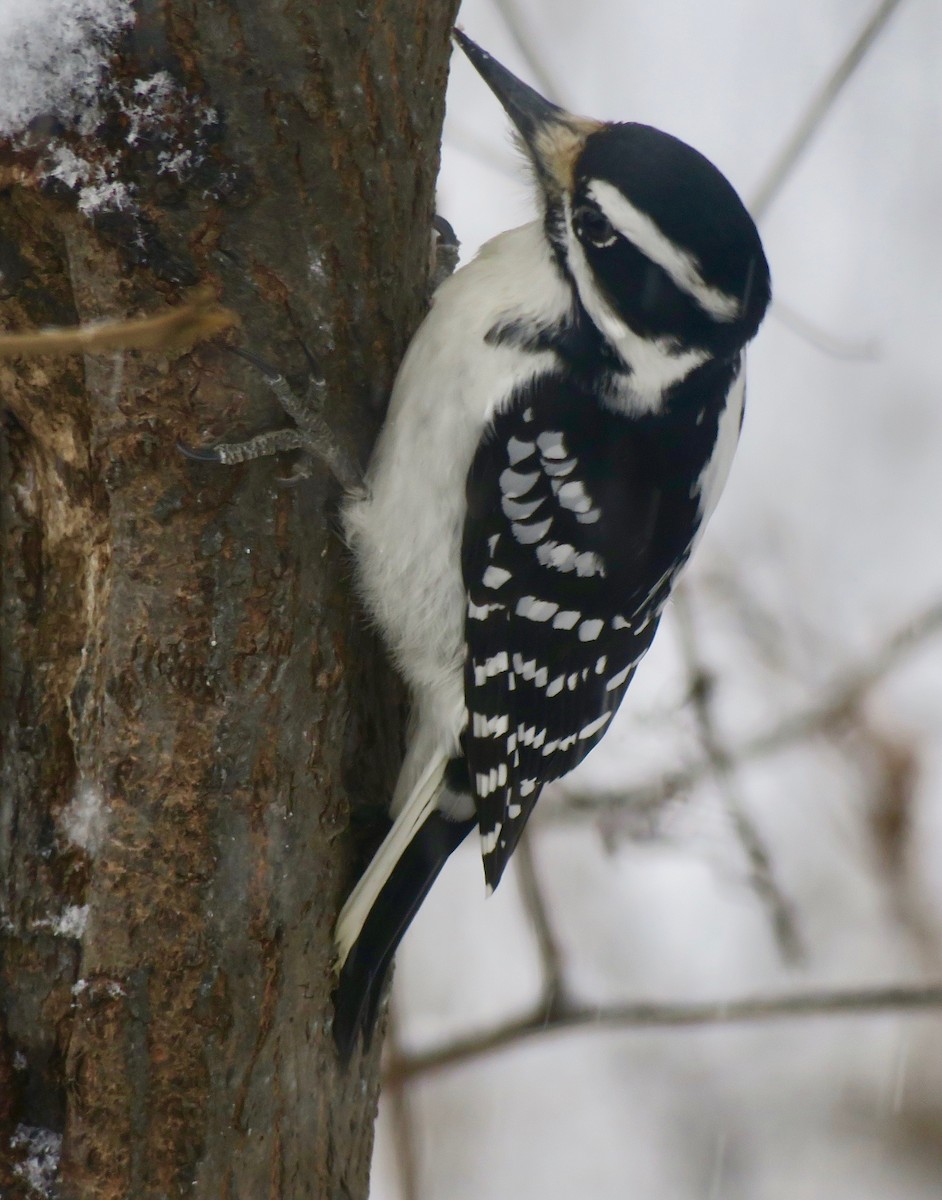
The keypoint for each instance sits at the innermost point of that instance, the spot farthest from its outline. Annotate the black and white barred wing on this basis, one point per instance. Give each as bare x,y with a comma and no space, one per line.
549,555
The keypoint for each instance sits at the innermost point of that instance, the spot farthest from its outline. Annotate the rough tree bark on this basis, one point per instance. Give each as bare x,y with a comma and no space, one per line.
191,705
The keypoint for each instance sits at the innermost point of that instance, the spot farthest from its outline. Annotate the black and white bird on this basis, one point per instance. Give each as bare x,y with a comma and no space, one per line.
560,430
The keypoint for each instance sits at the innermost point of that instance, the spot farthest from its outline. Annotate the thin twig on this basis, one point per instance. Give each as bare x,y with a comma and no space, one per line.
516,27
819,108
397,1096
897,999
831,344
839,701
721,762
198,318
551,958
503,160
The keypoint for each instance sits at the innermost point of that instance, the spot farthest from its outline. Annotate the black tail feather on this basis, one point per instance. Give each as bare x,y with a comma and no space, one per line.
360,987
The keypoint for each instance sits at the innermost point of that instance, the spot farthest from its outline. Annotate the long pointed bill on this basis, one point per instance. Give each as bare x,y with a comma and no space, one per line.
552,137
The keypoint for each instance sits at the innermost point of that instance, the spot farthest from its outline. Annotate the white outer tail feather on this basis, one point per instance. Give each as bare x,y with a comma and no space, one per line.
420,804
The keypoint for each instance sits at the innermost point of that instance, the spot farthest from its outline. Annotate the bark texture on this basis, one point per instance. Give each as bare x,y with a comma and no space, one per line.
191,705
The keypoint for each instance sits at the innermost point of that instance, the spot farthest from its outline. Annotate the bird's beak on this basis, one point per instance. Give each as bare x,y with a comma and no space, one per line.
552,137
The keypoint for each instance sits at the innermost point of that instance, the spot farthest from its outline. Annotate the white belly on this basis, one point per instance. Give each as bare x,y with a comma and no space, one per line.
407,536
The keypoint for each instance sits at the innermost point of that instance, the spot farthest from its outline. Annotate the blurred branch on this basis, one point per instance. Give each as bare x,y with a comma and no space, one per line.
852,1002
200,317
831,344
400,1109
819,108
554,997
516,27
483,152
838,703
721,764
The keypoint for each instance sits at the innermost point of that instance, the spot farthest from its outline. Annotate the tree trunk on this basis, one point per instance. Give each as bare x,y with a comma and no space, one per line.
191,705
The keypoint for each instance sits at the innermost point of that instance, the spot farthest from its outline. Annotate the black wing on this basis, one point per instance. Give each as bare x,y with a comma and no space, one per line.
578,520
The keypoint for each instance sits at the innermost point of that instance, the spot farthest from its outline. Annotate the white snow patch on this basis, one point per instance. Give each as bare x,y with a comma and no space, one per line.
84,819
70,923
43,1149
53,54
96,192
110,987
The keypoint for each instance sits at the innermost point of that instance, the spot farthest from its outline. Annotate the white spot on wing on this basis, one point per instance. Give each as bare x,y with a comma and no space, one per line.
528,534
515,483
516,510
561,556
588,563
517,450
495,577
484,726
536,610
557,470
573,496
594,726
617,680
566,619
489,840
551,444
590,630
480,612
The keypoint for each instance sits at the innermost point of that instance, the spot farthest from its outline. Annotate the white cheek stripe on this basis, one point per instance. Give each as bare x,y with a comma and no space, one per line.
682,267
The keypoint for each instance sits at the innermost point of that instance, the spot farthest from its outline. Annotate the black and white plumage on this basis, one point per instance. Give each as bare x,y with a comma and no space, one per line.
559,432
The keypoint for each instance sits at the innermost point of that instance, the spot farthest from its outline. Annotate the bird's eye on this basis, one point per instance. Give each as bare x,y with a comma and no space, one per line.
593,226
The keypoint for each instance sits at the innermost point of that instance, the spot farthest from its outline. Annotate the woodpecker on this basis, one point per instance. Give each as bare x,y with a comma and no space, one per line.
559,432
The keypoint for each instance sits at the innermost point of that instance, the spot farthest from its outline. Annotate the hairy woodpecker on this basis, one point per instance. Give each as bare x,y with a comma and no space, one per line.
559,432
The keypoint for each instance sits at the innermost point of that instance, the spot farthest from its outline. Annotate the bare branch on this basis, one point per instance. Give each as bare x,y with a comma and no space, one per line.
516,27
898,999
837,705
819,108
831,344
396,1095
551,958
176,329
721,762
484,153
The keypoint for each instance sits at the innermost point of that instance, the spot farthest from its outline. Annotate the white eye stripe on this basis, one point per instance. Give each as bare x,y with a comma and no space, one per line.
680,265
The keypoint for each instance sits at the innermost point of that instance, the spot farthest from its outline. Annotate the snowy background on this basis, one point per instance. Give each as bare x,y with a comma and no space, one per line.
821,575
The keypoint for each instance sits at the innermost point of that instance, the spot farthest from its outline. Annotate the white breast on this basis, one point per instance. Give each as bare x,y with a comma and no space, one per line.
407,536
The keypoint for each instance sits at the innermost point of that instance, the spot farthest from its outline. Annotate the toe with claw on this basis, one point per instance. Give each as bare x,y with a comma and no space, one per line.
311,434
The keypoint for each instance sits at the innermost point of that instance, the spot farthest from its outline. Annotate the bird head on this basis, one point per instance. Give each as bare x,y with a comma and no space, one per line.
663,255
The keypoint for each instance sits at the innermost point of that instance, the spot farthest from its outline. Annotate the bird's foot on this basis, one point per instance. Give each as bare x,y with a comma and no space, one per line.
311,435
444,252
